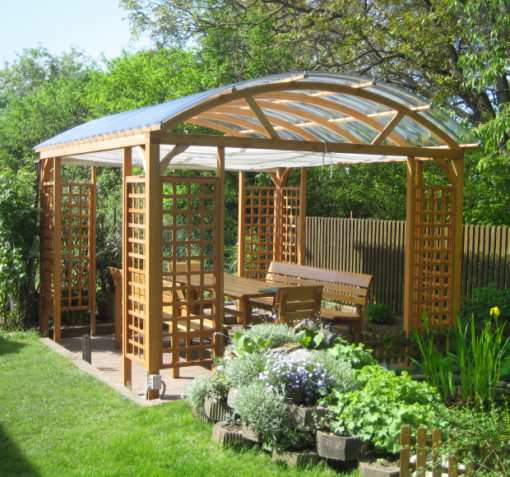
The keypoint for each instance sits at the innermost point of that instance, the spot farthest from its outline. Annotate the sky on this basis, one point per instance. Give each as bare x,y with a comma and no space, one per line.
94,26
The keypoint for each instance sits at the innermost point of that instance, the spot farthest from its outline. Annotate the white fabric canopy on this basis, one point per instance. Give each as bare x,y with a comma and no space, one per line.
236,159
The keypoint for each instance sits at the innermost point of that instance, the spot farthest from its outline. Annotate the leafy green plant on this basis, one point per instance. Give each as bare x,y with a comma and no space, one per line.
310,338
382,404
243,343
380,314
355,354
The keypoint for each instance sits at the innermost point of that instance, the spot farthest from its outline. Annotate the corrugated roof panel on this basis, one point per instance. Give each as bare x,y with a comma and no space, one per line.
130,120
154,116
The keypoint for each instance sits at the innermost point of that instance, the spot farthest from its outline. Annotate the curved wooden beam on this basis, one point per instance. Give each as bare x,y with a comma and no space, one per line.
261,90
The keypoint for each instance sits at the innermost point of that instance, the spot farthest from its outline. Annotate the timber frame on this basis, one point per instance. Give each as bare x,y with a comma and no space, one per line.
285,122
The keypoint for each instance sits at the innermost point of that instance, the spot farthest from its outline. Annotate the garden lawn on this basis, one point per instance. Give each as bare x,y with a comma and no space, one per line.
56,420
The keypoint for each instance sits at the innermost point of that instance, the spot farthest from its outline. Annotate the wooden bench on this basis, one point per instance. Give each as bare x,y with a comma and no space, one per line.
351,289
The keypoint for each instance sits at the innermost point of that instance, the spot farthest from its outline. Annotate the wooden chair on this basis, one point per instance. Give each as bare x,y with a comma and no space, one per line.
293,304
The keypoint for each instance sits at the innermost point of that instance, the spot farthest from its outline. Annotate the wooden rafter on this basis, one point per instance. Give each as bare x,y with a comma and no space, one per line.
261,117
212,118
351,114
313,119
388,129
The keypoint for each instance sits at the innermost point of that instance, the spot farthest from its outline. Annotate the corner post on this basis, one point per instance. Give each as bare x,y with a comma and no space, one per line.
154,269
458,215
302,218
92,249
57,250
218,289
126,362
409,246
241,226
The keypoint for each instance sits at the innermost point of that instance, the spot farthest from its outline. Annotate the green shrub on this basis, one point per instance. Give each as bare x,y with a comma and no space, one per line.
354,354
380,314
276,334
265,411
483,299
243,370
384,403
342,374
483,438
195,393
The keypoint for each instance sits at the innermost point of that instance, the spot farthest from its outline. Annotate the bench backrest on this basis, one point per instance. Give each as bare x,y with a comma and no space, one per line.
345,287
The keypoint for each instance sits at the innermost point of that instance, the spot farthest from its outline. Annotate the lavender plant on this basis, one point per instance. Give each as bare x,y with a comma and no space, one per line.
297,376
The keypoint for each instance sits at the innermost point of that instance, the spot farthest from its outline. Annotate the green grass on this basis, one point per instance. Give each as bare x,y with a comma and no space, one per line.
56,420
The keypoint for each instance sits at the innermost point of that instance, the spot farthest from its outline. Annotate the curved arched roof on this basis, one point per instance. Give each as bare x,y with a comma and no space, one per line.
326,108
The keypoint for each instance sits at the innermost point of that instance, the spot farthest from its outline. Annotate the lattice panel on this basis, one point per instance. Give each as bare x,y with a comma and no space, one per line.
259,246
291,214
136,266
77,274
433,255
47,243
191,234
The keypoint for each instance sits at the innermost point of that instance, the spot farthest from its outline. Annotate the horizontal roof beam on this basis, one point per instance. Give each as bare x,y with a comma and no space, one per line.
311,146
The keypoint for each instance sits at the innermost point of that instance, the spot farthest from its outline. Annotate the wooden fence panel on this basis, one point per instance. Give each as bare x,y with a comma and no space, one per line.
377,247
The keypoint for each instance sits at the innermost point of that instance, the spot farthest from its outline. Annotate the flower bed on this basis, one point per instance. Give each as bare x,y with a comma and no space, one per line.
286,397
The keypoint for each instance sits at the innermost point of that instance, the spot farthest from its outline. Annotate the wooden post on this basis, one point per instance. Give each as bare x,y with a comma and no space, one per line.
241,226
92,250
44,173
220,269
302,219
409,250
126,362
458,189
57,250
154,270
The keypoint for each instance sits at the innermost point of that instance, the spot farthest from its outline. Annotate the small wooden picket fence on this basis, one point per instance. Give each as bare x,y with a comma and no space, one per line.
422,455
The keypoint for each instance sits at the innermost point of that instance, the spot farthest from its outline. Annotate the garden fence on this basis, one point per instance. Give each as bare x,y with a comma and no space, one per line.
423,453
377,247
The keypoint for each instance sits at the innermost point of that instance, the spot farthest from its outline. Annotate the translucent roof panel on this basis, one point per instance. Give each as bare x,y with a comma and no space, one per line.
314,106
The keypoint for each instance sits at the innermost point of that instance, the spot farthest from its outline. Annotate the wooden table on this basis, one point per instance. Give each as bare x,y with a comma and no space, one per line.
239,288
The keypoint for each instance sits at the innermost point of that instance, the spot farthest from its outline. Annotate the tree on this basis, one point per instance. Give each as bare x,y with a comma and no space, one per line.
456,52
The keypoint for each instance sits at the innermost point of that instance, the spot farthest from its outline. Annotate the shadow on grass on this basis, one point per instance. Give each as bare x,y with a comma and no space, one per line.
11,345
12,461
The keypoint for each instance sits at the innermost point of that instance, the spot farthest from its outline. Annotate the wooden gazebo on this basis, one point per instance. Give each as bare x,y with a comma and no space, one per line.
271,124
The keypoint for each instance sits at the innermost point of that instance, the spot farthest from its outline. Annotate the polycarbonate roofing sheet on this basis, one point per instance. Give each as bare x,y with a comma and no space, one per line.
153,117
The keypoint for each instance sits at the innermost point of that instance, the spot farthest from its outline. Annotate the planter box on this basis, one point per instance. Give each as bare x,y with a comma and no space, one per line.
216,410
224,433
338,447
251,434
200,416
379,469
295,459
301,416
